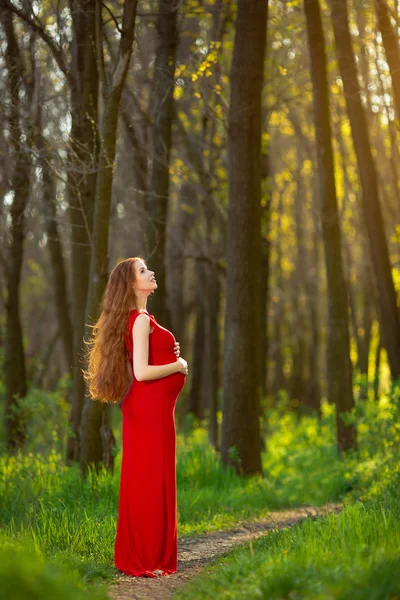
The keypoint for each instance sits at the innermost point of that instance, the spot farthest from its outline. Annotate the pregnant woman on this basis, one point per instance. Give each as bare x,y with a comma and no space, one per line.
146,541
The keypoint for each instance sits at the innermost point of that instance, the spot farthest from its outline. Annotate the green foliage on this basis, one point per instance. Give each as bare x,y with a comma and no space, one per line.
353,555
374,465
45,415
301,459
43,500
24,574
2,383
72,521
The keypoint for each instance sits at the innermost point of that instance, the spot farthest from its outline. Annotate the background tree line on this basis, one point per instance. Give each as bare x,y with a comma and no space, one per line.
249,151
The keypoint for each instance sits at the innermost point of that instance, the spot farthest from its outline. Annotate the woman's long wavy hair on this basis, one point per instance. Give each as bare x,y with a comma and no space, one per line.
106,357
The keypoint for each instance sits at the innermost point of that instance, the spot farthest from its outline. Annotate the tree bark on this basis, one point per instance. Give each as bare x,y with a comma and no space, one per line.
19,183
96,436
83,152
158,199
339,368
299,344
196,398
313,288
212,371
279,381
54,241
240,444
389,315
82,78
391,44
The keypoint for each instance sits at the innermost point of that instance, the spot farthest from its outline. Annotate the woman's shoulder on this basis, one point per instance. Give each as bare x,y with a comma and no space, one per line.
133,314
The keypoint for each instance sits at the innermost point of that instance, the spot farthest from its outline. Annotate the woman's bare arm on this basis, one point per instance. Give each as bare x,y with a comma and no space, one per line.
141,368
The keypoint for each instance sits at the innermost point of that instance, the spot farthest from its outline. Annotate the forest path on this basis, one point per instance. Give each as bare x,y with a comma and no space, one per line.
195,552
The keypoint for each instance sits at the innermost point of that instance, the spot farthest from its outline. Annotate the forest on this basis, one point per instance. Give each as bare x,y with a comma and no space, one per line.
248,151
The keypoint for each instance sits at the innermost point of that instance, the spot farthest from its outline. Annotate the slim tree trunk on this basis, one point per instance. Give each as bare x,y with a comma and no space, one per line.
364,342
158,200
83,153
240,444
377,366
391,44
299,344
54,242
19,183
313,291
340,388
391,200
179,239
389,315
212,359
196,397
96,436
279,381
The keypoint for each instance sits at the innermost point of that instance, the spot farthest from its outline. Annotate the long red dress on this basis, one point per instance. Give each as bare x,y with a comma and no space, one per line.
147,529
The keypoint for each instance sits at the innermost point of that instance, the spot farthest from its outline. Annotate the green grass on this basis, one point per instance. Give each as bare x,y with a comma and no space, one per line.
25,575
353,555
70,522
300,464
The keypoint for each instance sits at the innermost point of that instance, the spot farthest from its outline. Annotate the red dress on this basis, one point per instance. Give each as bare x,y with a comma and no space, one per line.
147,529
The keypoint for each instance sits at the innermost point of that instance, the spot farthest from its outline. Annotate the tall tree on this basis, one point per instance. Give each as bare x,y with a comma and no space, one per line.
79,66
339,369
389,315
83,152
158,199
96,436
55,244
19,145
390,42
241,396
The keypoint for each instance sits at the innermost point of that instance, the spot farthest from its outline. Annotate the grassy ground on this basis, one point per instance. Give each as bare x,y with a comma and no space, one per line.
70,523
354,555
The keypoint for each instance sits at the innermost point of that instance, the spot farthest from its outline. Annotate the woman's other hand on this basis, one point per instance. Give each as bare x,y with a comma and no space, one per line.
177,349
183,365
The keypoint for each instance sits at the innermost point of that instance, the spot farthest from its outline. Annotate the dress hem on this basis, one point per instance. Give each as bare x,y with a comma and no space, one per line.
146,573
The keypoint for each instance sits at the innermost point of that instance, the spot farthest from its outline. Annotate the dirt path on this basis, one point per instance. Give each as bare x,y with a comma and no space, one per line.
195,552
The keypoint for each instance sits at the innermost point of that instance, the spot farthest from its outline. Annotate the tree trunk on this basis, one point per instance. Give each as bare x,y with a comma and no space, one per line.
391,44
19,183
389,316
211,371
279,381
179,239
83,153
240,444
158,200
365,338
82,77
196,397
54,241
340,388
313,288
299,344
377,366
96,436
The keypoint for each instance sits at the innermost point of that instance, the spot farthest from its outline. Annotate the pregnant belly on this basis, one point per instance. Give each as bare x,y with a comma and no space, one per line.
175,382
169,386
153,399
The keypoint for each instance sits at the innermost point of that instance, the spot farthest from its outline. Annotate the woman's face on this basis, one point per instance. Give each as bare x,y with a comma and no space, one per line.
145,279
